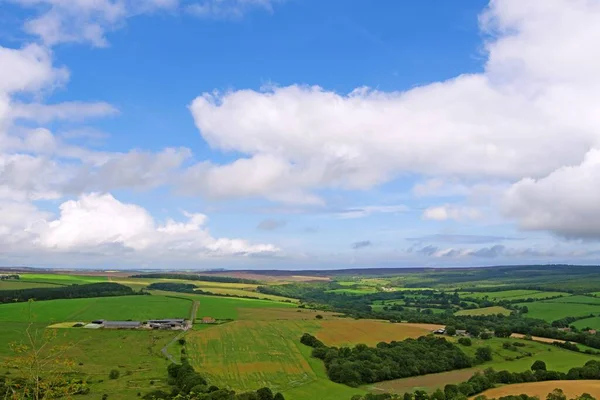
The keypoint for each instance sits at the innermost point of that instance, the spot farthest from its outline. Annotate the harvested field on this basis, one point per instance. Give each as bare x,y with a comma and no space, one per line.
340,332
429,382
536,338
270,314
541,389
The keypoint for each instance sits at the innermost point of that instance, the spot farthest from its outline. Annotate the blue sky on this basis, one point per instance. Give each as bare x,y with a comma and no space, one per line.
298,133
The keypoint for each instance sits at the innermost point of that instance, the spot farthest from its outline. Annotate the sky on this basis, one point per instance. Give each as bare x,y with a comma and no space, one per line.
299,134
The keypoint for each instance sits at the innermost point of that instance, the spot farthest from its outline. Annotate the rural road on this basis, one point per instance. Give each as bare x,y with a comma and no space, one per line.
195,306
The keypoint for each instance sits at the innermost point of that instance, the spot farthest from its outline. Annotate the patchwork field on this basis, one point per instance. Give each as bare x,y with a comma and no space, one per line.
555,358
484,311
115,308
571,389
63,279
248,354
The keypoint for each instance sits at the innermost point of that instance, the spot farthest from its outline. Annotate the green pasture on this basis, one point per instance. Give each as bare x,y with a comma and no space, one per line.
484,311
593,323
353,291
134,353
111,308
553,310
577,300
220,307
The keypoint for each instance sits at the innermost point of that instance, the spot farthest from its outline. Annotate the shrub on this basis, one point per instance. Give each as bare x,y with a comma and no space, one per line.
465,341
319,316
539,365
181,341
483,354
114,374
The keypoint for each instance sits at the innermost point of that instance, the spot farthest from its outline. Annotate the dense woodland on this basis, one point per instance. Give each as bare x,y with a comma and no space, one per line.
187,384
205,278
103,289
362,364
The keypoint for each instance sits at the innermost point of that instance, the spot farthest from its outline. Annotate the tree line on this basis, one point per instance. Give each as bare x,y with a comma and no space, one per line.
187,384
481,382
411,357
189,277
102,289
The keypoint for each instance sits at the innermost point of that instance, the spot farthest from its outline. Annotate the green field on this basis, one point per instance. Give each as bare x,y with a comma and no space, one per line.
246,355
576,300
112,308
63,279
552,311
220,307
18,284
353,291
484,311
593,323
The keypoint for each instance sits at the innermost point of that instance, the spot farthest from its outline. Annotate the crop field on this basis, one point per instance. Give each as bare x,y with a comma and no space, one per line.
571,389
18,284
484,311
551,311
353,291
249,354
114,308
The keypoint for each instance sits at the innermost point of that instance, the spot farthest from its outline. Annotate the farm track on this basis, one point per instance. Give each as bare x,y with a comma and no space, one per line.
193,313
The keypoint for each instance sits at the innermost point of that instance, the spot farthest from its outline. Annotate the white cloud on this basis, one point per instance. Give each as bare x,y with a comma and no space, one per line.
501,124
95,222
62,21
449,211
566,202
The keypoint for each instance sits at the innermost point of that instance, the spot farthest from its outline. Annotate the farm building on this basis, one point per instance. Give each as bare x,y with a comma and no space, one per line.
166,323
121,324
208,320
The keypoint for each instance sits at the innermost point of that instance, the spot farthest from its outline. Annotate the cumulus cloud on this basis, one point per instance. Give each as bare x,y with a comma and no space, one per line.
532,111
566,202
96,222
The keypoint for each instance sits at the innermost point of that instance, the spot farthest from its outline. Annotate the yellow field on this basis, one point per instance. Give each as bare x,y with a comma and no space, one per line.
341,332
271,314
484,311
536,338
541,389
